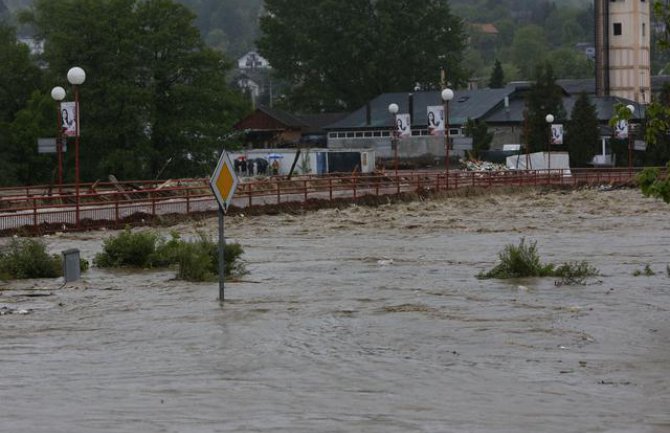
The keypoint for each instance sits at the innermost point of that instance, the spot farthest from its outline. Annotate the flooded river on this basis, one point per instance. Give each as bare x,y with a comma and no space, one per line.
360,320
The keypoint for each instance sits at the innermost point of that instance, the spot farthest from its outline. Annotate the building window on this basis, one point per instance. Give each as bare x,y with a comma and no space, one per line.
617,29
644,30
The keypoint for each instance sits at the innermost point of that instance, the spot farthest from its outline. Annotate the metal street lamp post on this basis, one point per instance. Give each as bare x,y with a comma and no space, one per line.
58,94
393,110
447,95
76,76
630,108
549,119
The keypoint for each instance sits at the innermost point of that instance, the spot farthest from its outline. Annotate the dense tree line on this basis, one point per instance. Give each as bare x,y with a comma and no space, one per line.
156,102
337,55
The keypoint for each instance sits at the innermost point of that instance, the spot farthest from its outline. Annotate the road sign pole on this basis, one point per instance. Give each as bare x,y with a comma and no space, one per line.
223,184
222,261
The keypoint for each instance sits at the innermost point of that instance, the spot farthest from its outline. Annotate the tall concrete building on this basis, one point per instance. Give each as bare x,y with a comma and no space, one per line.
623,41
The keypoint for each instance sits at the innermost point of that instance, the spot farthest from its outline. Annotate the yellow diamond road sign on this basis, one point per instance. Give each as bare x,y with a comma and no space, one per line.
224,181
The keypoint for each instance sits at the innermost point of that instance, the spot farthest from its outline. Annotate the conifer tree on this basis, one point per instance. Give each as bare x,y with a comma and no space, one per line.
497,80
581,132
545,97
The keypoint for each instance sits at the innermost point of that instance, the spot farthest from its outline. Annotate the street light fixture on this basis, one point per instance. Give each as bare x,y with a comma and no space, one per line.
58,94
630,108
76,76
393,110
549,119
447,95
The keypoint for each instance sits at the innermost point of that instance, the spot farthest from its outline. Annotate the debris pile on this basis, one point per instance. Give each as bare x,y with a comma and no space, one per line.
476,165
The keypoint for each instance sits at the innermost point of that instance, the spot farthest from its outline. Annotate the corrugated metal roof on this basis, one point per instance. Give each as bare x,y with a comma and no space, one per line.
467,104
604,109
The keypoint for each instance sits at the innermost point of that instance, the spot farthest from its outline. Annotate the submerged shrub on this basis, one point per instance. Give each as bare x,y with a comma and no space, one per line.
575,272
196,260
128,249
647,272
199,260
27,258
517,262
523,260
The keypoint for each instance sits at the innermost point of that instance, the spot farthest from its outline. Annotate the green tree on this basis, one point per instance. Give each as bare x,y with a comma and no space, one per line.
481,137
657,128
545,97
529,48
20,75
581,132
568,63
658,123
20,79
337,55
155,102
497,80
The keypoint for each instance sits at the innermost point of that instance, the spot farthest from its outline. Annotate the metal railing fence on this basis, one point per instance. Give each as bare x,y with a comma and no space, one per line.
46,209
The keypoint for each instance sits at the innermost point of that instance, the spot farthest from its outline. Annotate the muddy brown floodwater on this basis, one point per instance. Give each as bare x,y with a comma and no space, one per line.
360,320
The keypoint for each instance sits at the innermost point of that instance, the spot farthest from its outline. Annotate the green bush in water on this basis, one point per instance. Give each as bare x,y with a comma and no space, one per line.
517,262
647,272
199,260
523,260
575,272
196,260
128,249
27,258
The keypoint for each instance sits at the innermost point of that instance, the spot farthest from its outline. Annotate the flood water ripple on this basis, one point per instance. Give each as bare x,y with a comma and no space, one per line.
360,320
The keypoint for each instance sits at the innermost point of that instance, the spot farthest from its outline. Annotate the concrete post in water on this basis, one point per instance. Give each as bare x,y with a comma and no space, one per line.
71,266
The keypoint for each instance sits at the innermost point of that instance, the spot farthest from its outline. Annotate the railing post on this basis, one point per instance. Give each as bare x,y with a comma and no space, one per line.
188,200
116,210
278,193
455,180
153,204
77,216
377,186
397,182
249,191
35,214
330,187
437,182
304,182
354,185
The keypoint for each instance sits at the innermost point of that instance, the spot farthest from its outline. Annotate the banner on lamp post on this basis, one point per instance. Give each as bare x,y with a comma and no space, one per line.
436,120
69,118
621,129
557,134
403,125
